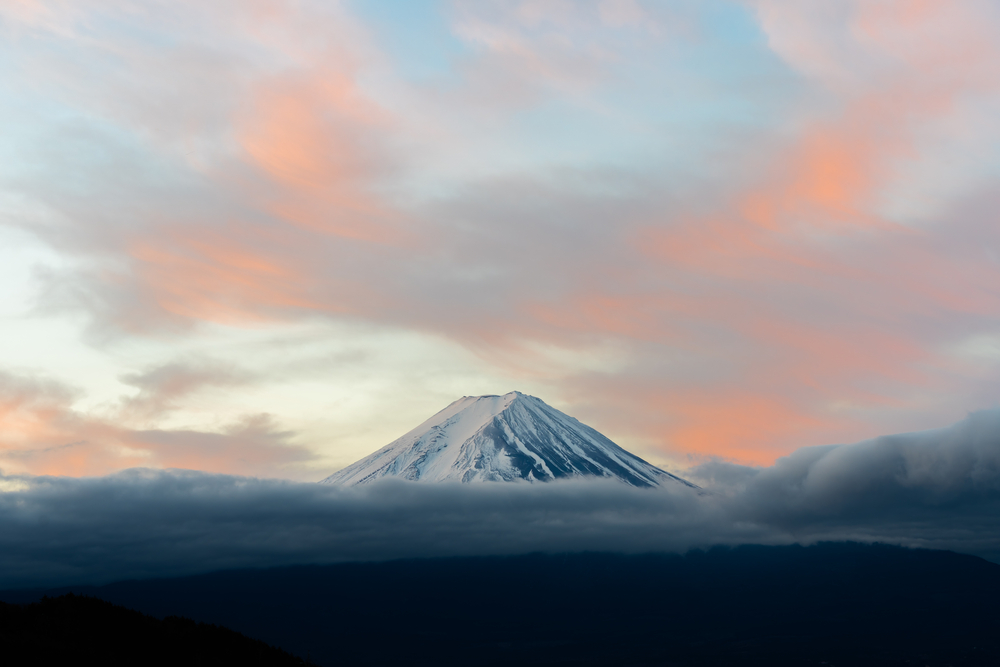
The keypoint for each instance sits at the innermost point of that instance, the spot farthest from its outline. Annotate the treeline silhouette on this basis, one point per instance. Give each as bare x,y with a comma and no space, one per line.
828,605
73,629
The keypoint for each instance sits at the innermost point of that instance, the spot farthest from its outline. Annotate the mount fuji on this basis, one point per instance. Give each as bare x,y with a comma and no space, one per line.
502,438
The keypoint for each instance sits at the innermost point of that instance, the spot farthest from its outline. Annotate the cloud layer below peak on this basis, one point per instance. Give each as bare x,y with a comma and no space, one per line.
938,489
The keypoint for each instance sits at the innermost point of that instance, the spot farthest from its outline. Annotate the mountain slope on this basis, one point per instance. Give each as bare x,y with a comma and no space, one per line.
72,629
775,606
502,438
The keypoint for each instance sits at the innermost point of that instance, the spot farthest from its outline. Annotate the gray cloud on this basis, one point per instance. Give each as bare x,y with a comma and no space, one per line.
161,387
144,523
936,489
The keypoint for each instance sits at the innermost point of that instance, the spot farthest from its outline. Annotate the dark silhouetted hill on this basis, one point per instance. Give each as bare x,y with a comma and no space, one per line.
80,630
830,604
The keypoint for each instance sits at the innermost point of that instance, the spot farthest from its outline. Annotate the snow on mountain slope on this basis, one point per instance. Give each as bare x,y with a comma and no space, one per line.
502,438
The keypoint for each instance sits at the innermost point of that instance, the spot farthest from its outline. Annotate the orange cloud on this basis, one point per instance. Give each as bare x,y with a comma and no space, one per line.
202,276
41,434
893,71
802,268
744,426
307,132
756,313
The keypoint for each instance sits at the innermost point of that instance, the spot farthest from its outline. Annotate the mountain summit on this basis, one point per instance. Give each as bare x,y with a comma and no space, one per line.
502,438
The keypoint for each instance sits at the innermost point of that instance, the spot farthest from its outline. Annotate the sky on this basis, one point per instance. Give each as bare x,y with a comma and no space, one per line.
264,239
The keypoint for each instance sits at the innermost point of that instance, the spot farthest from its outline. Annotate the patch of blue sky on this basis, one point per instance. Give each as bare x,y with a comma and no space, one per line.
558,138
672,108
731,23
667,104
64,161
416,34
729,61
150,34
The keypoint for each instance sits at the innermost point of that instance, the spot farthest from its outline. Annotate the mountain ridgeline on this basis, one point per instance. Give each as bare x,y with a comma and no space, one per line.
501,439
790,606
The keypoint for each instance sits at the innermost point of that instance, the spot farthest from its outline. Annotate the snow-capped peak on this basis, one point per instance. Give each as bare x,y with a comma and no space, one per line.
502,438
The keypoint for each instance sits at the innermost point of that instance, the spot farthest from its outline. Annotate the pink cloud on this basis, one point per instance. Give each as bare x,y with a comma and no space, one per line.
777,306
43,435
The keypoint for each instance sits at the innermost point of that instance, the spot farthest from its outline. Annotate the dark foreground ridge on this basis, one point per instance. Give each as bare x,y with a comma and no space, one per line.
830,604
73,629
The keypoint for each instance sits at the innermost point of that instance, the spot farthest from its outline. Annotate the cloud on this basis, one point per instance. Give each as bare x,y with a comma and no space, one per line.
937,489
947,469
716,201
162,387
41,432
143,523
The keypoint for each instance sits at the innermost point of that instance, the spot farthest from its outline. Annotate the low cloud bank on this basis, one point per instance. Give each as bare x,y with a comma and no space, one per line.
937,489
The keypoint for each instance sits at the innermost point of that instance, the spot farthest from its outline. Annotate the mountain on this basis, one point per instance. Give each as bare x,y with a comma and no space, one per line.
502,438
863,605
73,629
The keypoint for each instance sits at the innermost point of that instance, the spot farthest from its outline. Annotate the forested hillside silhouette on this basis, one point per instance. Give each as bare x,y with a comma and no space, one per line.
826,605
74,629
